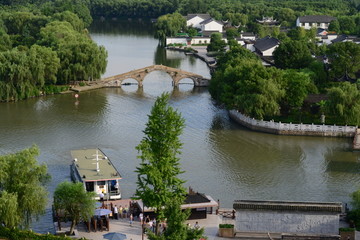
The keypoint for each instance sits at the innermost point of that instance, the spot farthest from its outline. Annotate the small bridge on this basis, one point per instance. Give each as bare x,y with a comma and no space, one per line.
140,74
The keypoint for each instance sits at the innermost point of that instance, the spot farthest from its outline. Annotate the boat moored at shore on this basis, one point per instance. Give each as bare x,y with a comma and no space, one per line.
96,172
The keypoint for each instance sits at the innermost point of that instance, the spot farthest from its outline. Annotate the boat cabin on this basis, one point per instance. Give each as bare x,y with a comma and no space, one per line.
96,172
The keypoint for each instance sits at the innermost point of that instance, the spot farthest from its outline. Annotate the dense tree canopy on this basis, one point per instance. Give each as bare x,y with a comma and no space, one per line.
344,59
22,188
169,25
75,202
292,54
344,103
46,44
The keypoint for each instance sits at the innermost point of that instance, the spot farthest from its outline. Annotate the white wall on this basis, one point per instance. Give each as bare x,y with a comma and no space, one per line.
195,22
200,40
269,52
287,222
212,26
172,40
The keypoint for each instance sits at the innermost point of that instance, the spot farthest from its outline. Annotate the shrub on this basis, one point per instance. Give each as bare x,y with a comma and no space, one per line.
226,225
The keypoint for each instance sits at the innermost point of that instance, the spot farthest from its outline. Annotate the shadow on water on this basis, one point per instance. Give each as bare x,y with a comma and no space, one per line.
161,57
135,27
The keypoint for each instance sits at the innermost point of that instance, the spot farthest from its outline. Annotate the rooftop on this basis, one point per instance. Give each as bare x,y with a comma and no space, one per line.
209,20
201,15
316,19
85,163
334,207
266,43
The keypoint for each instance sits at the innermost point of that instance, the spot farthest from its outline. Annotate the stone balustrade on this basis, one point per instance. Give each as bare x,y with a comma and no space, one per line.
291,128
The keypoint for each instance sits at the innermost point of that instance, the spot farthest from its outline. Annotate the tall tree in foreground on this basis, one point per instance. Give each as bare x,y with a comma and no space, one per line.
75,201
158,184
22,188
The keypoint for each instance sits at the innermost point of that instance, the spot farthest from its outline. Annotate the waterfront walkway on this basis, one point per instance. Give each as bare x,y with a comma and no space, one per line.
122,225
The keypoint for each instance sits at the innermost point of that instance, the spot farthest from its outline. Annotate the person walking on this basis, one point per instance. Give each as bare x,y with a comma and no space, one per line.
196,225
121,211
116,213
141,217
131,217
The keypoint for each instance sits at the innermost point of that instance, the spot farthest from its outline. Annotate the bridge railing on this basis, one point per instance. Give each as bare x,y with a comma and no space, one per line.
294,127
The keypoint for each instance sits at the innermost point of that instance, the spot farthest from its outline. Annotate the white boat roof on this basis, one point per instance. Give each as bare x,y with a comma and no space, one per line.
86,164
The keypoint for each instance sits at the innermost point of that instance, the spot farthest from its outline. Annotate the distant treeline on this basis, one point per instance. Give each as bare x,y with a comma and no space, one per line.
44,44
219,8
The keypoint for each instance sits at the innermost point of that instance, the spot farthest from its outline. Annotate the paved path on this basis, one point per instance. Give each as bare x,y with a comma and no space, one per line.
134,232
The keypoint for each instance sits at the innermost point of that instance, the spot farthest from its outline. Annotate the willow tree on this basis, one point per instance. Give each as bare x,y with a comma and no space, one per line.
158,184
22,192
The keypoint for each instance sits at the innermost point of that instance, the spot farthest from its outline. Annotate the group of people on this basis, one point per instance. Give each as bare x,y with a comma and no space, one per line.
121,212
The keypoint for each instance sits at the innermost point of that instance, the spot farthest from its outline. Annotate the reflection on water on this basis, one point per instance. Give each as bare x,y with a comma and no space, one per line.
219,157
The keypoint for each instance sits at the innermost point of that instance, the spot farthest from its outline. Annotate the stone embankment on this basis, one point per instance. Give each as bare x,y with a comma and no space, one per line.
291,128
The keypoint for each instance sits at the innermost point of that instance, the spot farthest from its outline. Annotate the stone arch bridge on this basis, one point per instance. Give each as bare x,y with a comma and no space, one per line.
140,74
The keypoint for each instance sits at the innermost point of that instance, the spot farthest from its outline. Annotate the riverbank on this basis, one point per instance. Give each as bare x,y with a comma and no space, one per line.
292,129
200,53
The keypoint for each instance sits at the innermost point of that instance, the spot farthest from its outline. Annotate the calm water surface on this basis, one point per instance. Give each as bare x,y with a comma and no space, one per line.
220,158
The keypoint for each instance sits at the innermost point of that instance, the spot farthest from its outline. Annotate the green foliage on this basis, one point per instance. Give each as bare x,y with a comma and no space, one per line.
231,33
292,54
80,57
344,58
297,85
216,43
169,25
354,214
15,233
226,225
71,18
344,102
347,229
73,199
22,191
158,184
249,87
334,26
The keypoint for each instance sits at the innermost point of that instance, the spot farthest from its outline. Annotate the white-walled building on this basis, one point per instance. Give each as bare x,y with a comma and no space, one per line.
314,21
266,46
194,20
211,25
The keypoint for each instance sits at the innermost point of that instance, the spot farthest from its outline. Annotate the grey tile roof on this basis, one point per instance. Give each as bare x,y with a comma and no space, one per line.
266,43
339,38
316,19
201,15
334,207
210,20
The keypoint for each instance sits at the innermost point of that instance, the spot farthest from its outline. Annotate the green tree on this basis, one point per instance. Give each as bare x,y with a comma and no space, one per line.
158,184
344,58
297,85
22,187
334,26
292,54
169,25
73,199
354,214
347,24
249,87
216,43
344,103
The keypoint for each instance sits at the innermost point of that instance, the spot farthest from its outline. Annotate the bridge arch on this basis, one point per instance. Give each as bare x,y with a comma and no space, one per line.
139,75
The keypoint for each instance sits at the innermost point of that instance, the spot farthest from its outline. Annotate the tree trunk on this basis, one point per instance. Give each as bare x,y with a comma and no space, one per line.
73,223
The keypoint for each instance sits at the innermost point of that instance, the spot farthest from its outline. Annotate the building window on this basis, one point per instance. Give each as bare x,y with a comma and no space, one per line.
205,41
200,42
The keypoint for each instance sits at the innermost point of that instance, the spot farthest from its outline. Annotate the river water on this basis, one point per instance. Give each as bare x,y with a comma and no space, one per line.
219,157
